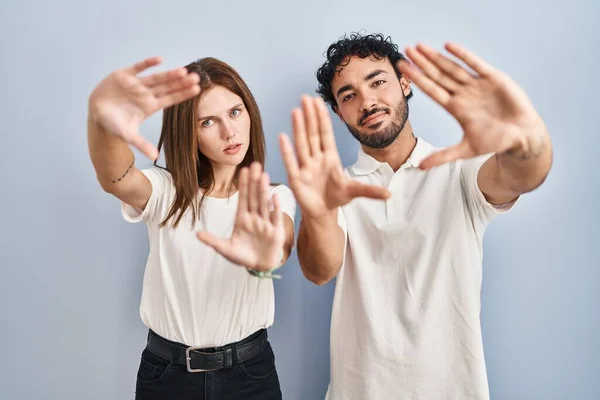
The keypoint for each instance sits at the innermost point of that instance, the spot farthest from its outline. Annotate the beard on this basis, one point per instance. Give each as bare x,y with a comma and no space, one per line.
379,139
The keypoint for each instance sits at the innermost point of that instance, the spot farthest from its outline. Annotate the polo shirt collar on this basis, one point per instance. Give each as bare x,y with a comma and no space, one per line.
365,164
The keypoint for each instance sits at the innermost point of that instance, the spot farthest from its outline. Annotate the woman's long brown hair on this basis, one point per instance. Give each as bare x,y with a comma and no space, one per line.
191,170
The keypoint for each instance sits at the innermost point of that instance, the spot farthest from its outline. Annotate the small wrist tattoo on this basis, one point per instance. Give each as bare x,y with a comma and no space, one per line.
126,172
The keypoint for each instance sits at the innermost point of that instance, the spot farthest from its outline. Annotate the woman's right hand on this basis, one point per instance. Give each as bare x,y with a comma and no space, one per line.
123,100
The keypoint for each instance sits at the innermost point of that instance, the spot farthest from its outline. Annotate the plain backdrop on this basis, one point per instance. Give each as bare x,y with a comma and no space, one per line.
72,268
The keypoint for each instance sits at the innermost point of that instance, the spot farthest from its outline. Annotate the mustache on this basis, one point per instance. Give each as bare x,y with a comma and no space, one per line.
372,111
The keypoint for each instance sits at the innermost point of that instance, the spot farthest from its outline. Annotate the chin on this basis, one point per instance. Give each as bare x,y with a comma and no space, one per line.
235,160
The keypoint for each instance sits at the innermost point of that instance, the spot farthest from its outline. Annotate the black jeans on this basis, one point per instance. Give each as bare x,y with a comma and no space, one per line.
254,379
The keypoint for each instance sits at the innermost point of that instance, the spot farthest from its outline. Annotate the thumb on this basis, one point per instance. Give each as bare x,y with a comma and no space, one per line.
144,146
447,155
357,189
210,240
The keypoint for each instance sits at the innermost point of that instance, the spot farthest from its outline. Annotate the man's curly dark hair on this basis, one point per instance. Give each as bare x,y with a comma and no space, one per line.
338,54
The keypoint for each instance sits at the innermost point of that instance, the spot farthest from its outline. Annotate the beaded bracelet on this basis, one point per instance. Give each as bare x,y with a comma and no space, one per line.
269,273
264,274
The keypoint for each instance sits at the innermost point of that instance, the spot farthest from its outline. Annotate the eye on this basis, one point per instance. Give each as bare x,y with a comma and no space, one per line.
207,123
377,83
348,97
235,112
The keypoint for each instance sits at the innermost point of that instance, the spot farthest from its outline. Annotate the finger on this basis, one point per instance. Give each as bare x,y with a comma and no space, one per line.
432,89
289,158
469,58
144,146
163,77
243,178
446,65
263,186
276,214
431,70
253,188
144,65
357,189
447,155
220,245
325,126
312,125
177,97
176,85
300,138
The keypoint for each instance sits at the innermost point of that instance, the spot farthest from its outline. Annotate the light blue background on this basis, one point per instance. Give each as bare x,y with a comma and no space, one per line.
72,268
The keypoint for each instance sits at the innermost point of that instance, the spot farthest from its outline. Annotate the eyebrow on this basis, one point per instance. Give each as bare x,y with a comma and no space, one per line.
215,117
367,78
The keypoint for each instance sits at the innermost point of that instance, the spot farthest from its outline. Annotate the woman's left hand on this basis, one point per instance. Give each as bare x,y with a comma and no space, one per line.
258,235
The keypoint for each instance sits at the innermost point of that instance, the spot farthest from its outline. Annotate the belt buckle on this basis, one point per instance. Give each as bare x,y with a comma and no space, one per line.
188,360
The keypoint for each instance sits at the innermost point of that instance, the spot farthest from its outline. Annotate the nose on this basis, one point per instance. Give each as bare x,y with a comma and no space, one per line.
368,101
227,130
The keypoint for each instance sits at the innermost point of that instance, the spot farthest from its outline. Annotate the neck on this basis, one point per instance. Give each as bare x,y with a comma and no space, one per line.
223,174
398,152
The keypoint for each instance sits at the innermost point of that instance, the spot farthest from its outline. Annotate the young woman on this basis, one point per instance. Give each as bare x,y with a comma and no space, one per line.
206,302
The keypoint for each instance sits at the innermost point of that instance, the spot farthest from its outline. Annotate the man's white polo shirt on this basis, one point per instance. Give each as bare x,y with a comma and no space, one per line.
405,321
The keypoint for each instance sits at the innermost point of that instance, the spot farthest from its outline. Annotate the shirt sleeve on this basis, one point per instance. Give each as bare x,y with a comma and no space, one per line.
480,209
287,201
159,202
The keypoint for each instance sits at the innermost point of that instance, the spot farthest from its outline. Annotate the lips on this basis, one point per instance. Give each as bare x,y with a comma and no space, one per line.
233,147
373,116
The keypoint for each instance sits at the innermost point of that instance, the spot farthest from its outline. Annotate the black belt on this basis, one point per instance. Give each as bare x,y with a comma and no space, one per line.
208,359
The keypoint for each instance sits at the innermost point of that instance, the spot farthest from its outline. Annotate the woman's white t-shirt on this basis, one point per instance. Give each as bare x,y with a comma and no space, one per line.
191,294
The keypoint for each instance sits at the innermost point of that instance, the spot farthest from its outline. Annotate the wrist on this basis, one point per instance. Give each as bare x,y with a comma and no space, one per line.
321,220
267,271
530,144
93,108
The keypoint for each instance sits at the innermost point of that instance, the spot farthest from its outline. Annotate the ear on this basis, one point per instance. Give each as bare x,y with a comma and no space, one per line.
405,84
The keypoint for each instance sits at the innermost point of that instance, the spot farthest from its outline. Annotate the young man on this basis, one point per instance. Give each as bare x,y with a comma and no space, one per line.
402,228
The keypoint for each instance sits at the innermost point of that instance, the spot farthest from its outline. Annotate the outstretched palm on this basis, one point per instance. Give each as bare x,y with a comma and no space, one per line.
493,111
258,235
123,100
316,177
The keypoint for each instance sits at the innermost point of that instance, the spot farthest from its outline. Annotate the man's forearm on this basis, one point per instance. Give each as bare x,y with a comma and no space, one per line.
321,248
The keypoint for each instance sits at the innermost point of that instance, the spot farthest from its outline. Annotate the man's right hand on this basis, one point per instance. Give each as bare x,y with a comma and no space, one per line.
123,100
317,177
